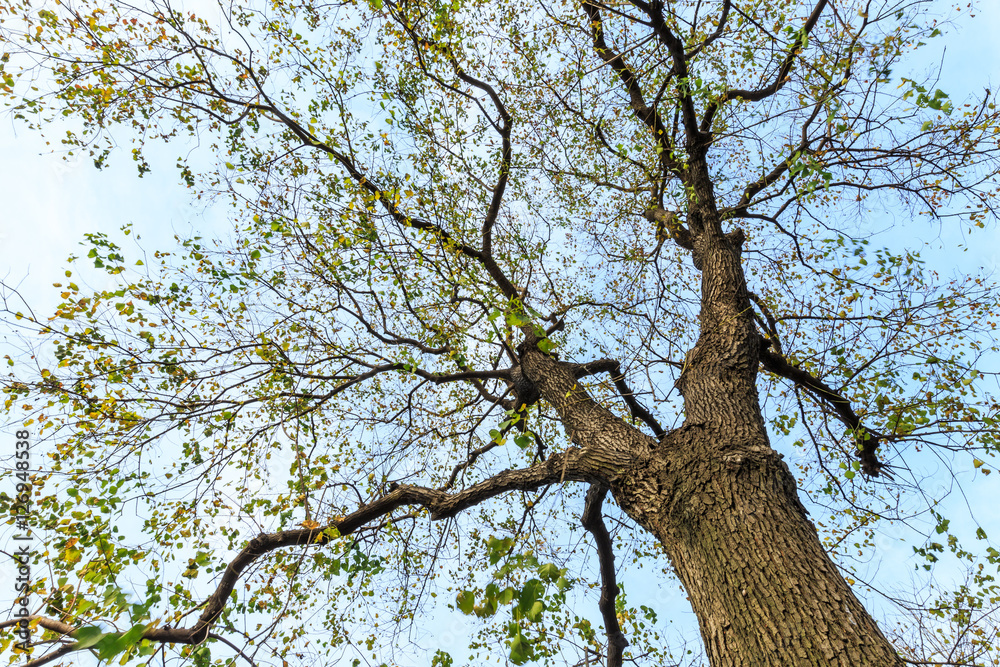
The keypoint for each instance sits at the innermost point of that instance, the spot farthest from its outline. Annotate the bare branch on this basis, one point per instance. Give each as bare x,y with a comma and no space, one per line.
647,114
594,523
779,81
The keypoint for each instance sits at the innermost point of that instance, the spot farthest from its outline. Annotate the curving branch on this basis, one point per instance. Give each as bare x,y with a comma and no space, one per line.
727,5
780,169
646,113
503,129
263,104
784,70
65,649
569,465
387,201
594,523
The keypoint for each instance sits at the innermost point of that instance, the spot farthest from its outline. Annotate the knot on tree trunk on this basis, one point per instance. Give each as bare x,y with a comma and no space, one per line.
526,392
736,239
668,225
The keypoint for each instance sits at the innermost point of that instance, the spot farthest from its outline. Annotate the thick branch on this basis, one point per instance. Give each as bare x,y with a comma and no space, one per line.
565,466
609,444
667,224
614,369
594,523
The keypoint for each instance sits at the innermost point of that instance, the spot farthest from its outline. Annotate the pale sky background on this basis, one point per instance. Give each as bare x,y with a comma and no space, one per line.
46,205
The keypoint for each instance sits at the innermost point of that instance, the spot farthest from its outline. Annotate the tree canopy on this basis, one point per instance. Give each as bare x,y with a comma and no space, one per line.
518,296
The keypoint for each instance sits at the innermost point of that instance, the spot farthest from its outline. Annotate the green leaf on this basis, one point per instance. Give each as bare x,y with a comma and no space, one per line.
88,636
520,649
532,591
109,646
516,319
548,572
442,659
486,609
466,601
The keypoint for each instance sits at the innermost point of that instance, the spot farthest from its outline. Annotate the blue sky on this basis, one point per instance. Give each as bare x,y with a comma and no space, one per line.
49,203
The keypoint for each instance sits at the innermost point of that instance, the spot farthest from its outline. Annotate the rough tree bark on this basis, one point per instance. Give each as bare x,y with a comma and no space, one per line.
715,494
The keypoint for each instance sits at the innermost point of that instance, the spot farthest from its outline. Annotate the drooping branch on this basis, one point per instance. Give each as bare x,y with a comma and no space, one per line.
866,440
594,523
570,465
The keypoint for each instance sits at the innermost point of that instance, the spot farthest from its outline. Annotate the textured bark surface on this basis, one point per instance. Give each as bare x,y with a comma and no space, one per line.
763,589
716,495
724,506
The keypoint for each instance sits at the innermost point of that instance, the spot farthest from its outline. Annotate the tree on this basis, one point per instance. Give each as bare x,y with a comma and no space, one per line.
477,248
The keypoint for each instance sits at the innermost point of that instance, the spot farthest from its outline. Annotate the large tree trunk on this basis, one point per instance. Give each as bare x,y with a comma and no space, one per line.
763,589
717,496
